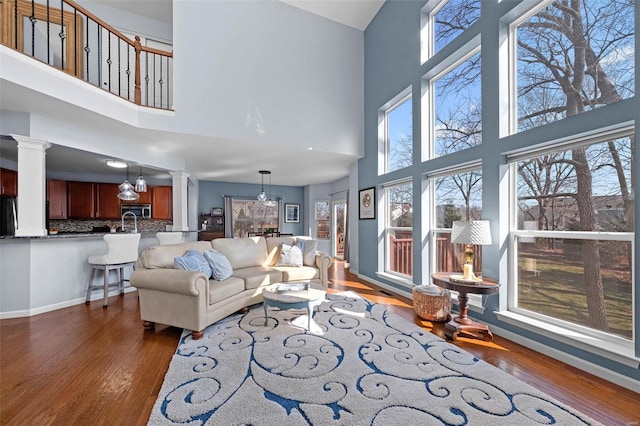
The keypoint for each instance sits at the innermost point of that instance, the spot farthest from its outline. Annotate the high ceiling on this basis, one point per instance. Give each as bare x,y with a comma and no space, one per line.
289,168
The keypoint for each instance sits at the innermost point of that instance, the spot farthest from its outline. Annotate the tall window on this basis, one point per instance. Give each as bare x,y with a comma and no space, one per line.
573,238
323,215
253,216
399,228
452,19
457,196
443,22
458,108
573,57
398,135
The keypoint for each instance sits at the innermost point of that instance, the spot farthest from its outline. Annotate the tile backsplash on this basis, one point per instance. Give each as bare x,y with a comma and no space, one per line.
144,225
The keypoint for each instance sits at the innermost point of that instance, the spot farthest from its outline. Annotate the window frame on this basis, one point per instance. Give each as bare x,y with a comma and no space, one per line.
388,228
383,129
593,340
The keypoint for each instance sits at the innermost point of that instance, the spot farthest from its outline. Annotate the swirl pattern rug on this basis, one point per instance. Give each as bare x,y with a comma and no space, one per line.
359,365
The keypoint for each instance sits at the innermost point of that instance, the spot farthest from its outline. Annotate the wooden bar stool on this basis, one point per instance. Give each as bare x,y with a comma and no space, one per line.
122,251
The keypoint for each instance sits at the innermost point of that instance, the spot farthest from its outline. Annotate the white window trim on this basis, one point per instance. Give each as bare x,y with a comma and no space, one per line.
383,128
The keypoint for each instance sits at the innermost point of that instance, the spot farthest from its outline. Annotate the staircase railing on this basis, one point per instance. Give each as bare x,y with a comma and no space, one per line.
63,34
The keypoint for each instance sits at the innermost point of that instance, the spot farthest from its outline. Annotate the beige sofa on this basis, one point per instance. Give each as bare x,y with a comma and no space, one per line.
188,299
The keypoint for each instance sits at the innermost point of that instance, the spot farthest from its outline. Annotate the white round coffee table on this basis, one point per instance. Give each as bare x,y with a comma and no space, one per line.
292,296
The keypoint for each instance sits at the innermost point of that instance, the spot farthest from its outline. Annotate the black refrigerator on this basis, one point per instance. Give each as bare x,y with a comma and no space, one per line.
8,215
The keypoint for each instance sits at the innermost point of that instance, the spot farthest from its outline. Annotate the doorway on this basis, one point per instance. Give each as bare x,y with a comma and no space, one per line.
339,226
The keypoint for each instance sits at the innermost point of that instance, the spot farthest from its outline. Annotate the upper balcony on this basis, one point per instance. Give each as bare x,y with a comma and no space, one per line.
68,37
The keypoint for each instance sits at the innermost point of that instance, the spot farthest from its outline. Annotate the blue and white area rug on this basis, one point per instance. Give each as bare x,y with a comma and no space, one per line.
359,365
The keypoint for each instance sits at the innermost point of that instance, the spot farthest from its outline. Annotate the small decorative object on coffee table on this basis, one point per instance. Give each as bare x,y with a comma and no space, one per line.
462,324
294,295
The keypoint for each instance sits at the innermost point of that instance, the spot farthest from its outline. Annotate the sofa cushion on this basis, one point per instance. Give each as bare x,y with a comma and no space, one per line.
220,267
163,256
193,261
221,290
274,244
258,276
290,255
309,252
292,273
242,252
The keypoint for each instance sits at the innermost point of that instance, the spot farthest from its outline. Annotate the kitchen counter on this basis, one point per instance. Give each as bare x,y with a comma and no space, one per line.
79,235
41,274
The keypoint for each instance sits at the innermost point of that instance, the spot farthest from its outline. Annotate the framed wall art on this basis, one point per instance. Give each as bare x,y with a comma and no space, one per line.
292,213
367,203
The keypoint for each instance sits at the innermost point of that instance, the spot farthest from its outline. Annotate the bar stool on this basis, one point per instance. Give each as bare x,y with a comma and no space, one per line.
122,251
165,238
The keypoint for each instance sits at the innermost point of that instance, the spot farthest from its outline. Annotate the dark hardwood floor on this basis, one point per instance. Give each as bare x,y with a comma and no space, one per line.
86,365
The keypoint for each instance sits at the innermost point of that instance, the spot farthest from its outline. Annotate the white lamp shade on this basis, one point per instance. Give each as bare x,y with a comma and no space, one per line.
476,232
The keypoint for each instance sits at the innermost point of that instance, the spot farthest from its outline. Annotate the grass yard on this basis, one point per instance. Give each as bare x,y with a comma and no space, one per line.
551,282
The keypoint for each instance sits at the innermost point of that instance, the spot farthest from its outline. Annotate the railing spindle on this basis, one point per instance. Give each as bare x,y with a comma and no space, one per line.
157,79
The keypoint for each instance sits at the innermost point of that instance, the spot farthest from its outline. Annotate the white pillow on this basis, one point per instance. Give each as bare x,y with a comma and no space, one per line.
309,252
220,266
290,255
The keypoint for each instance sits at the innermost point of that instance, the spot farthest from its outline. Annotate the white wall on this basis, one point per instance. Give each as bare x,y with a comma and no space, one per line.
267,72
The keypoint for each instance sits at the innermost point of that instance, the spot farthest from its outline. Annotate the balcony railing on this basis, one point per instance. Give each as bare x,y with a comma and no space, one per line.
449,257
66,36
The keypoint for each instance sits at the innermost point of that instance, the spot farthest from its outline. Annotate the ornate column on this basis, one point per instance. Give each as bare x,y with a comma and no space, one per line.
180,219
32,189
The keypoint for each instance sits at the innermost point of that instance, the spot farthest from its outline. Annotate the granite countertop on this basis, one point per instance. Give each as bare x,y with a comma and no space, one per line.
80,234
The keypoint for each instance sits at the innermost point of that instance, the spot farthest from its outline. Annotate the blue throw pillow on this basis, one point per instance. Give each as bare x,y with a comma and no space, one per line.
220,266
193,261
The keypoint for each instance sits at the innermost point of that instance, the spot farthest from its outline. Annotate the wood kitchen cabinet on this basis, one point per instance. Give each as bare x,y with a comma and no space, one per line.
8,182
81,198
57,198
145,197
162,202
107,201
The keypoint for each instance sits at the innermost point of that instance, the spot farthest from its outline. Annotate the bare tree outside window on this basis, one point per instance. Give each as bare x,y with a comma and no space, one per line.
458,108
452,19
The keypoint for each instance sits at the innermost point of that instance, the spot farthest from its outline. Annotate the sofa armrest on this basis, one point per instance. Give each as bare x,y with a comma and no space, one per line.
177,281
323,261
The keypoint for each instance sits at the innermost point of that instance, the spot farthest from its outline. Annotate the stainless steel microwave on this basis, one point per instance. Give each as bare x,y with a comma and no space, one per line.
140,210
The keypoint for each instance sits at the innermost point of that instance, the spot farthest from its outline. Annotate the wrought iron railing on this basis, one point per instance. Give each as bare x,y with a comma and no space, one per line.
65,35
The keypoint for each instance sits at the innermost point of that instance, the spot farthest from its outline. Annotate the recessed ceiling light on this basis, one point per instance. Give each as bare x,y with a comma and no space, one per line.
117,164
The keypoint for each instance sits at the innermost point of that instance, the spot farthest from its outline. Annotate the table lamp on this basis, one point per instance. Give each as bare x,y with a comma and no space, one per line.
474,232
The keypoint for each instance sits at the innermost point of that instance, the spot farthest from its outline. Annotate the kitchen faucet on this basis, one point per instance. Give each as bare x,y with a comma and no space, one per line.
135,221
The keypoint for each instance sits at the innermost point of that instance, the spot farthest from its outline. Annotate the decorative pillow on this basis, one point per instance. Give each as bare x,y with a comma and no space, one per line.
193,261
309,252
220,266
290,255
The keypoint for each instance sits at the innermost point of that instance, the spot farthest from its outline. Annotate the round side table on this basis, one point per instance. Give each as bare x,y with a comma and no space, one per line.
462,324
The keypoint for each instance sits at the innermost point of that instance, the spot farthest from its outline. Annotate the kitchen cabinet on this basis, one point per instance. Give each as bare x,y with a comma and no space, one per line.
162,202
57,198
8,182
145,197
81,198
107,202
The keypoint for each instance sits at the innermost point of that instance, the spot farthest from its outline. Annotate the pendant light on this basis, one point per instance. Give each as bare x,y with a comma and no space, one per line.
141,184
270,202
126,190
262,197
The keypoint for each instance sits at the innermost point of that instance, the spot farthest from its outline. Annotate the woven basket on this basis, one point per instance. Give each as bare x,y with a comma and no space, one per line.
431,306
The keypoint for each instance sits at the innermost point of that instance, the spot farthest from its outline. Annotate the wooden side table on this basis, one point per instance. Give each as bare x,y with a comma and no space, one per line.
462,324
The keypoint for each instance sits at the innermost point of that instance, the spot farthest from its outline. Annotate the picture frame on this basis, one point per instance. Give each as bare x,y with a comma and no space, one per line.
292,213
367,203
216,211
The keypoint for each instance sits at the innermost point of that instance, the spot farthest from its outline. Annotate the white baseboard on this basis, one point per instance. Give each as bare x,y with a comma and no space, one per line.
596,370
579,363
56,306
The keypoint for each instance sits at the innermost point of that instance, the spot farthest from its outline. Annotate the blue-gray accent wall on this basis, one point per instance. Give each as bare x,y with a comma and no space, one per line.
210,194
392,63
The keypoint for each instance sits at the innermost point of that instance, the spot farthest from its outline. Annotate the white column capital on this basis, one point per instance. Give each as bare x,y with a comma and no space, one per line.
26,142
